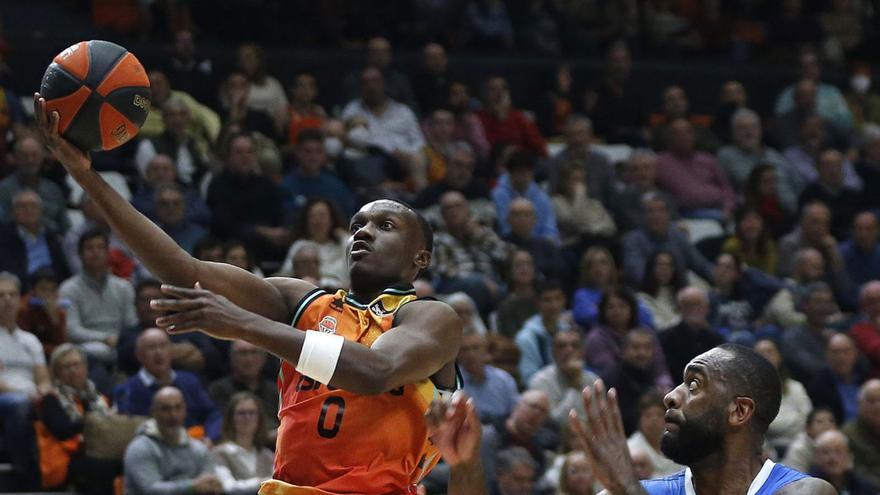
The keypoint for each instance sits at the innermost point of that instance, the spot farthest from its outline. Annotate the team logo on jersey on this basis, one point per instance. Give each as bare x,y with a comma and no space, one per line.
327,325
378,309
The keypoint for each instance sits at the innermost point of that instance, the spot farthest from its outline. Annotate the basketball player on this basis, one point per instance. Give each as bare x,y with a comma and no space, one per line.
715,425
360,368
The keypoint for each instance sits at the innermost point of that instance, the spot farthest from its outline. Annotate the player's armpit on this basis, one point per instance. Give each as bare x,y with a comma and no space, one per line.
425,339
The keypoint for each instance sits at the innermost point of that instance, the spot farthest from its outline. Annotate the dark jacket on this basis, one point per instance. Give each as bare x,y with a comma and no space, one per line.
14,256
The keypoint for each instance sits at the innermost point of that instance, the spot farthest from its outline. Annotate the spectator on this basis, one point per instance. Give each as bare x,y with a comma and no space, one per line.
305,262
692,177
615,103
305,112
468,126
311,178
803,156
651,425
576,476
519,182
431,82
792,127
804,347
486,25
634,375
171,209
676,106
866,333
439,129
234,96
861,252
833,462
43,312
135,395
522,218
236,253
28,158
643,468
694,335
190,351
763,193
748,151
519,303
800,452
657,234
25,244
604,343
266,94
493,390
162,458
121,261
391,126
663,280
321,223
245,205
467,255
868,165
732,99
467,311
830,103
813,230
162,170
379,55
189,156
459,177
809,267
751,241
190,72
830,189
535,338
515,470
580,218
863,103
837,384
241,461
505,124
863,432
598,171
246,365
555,107
564,379
61,422
638,177
526,428
101,304
23,378
203,124
598,274
795,406
209,249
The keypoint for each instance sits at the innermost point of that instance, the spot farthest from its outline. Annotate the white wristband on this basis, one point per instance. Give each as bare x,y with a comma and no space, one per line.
319,355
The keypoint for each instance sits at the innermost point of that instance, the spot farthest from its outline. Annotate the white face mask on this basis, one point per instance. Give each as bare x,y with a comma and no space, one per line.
358,136
333,146
860,83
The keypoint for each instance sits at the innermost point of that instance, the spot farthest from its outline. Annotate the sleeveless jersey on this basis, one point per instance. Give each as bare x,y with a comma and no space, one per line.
336,442
770,478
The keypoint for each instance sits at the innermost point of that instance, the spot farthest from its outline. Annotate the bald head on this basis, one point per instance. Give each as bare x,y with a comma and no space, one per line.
153,351
832,454
869,404
693,303
869,299
169,411
841,355
530,412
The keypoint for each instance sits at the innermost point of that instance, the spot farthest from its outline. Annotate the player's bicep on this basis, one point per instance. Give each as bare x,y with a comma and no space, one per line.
426,337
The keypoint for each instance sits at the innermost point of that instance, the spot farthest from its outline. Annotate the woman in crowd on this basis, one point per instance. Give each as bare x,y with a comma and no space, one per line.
61,422
598,274
752,242
241,461
265,94
762,194
320,223
800,451
519,303
795,407
663,280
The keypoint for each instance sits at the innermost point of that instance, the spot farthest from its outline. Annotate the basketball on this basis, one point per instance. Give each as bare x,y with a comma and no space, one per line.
101,93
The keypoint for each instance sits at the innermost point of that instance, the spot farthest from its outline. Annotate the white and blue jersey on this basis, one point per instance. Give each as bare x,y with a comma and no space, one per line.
770,478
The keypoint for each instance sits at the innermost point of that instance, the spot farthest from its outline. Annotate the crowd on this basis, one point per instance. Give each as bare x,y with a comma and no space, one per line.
576,240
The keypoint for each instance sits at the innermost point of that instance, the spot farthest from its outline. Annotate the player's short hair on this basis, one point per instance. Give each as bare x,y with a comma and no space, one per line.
751,375
424,226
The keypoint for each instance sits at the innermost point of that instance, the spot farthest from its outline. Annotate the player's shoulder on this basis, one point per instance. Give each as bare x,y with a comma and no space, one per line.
426,307
808,485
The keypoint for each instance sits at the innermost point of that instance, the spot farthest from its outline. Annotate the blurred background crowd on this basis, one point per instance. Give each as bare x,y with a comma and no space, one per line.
615,187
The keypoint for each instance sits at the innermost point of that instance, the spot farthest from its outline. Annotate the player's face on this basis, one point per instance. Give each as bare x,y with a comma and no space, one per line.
385,245
695,414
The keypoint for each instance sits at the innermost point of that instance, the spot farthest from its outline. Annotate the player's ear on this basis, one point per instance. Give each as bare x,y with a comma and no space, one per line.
740,411
423,259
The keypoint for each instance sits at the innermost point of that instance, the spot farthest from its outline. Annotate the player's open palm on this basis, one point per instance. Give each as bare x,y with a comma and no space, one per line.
602,438
200,310
72,158
455,429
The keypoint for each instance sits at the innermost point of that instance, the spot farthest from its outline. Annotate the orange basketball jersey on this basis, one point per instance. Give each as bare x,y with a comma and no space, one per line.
335,442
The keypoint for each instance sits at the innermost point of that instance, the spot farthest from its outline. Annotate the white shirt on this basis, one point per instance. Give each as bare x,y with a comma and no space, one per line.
663,466
20,353
395,129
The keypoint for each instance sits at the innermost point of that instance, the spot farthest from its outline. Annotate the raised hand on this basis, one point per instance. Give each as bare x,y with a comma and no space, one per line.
75,160
455,429
602,438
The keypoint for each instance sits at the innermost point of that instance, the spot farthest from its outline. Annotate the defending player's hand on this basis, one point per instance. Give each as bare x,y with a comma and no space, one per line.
72,158
455,429
191,310
603,440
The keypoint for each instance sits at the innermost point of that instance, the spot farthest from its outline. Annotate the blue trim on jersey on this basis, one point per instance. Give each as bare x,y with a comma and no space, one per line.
304,303
779,477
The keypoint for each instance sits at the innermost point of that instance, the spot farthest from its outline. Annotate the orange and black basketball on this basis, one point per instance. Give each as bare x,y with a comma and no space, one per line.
101,92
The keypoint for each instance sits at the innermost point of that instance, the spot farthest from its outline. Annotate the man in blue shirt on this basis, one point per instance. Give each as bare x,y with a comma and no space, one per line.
26,245
311,179
494,390
519,182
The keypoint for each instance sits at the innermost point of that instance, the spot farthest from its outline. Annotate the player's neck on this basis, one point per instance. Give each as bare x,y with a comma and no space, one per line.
366,293
726,472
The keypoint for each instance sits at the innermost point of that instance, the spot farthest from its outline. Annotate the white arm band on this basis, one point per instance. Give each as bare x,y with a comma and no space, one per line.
319,355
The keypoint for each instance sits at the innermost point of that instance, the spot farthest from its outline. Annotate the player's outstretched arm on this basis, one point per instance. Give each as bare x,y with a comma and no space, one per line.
455,430
159,253
603,440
